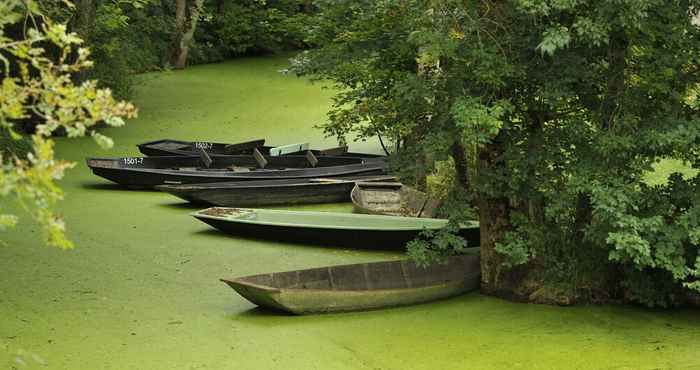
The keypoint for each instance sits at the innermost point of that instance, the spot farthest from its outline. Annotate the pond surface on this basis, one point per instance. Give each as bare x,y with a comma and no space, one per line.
141,289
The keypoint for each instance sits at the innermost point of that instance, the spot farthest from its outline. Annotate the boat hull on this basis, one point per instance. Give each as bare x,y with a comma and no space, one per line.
351,238
149,178
147,172
392,199
256,193
461,275
169,147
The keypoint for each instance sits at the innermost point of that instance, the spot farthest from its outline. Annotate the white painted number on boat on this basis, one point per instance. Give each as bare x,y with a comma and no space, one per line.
203,145
133,161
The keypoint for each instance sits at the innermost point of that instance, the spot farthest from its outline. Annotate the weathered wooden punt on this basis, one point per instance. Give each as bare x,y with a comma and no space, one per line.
145,172
393,199
270,192
327,228
169,147
359,287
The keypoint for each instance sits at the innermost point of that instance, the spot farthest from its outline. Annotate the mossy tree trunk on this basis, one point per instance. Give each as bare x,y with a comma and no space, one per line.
461,164
186,17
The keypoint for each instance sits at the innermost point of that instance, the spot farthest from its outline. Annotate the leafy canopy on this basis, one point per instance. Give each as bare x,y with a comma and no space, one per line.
36,85
562,107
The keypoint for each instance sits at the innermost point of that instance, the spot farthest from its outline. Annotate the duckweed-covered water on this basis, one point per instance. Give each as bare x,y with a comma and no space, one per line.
140,291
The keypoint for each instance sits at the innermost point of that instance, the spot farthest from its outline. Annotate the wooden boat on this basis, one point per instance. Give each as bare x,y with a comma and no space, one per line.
393,199
358,287
145,172
327,228
169,147
270,192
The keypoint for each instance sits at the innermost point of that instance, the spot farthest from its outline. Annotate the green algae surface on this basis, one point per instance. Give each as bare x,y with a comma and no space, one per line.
140,290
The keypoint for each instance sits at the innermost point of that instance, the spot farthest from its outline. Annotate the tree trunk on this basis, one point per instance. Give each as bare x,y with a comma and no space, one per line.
186,18
495,222
83,24
187,37
461,165
220,7
617,60
180,13
421,170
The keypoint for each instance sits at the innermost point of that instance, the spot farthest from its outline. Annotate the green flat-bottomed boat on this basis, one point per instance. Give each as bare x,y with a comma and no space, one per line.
358,287
328,228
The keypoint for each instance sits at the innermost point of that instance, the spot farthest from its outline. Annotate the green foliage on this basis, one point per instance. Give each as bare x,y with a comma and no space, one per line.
38,85
14,146
249,27
564,106
436,245
128,37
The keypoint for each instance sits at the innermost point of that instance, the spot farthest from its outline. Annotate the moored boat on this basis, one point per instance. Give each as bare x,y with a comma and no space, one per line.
145,172
328,228
271,192
362,286
170,147
392,198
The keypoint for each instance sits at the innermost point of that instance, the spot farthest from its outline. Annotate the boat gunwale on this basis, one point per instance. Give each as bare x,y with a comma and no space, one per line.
352,161
200,215
270,289
247,184
244,282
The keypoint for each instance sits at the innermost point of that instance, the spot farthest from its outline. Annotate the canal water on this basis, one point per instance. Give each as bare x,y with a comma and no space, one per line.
141,289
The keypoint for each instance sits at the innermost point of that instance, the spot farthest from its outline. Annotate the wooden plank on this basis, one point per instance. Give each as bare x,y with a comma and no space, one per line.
206,159
380,184
262,162
340,150
369,180
313,161
291,148
244,146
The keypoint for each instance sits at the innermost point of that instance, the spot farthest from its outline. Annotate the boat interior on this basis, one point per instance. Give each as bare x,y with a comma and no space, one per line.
401,274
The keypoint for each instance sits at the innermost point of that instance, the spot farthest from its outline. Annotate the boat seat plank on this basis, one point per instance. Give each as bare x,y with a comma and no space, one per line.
259,158
287,149
206,159
313,161
334,151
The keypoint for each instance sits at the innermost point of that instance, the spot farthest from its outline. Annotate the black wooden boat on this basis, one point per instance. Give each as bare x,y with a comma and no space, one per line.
327,228
169,147
363,286
392,199
270,192
144,172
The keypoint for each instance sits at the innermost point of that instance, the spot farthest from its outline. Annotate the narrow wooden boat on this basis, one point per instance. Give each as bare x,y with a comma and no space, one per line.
359,287
169,147
393,199
270,192
327,228
146,172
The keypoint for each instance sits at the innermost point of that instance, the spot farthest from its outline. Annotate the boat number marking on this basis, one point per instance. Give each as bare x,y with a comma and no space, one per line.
203,145
132,161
